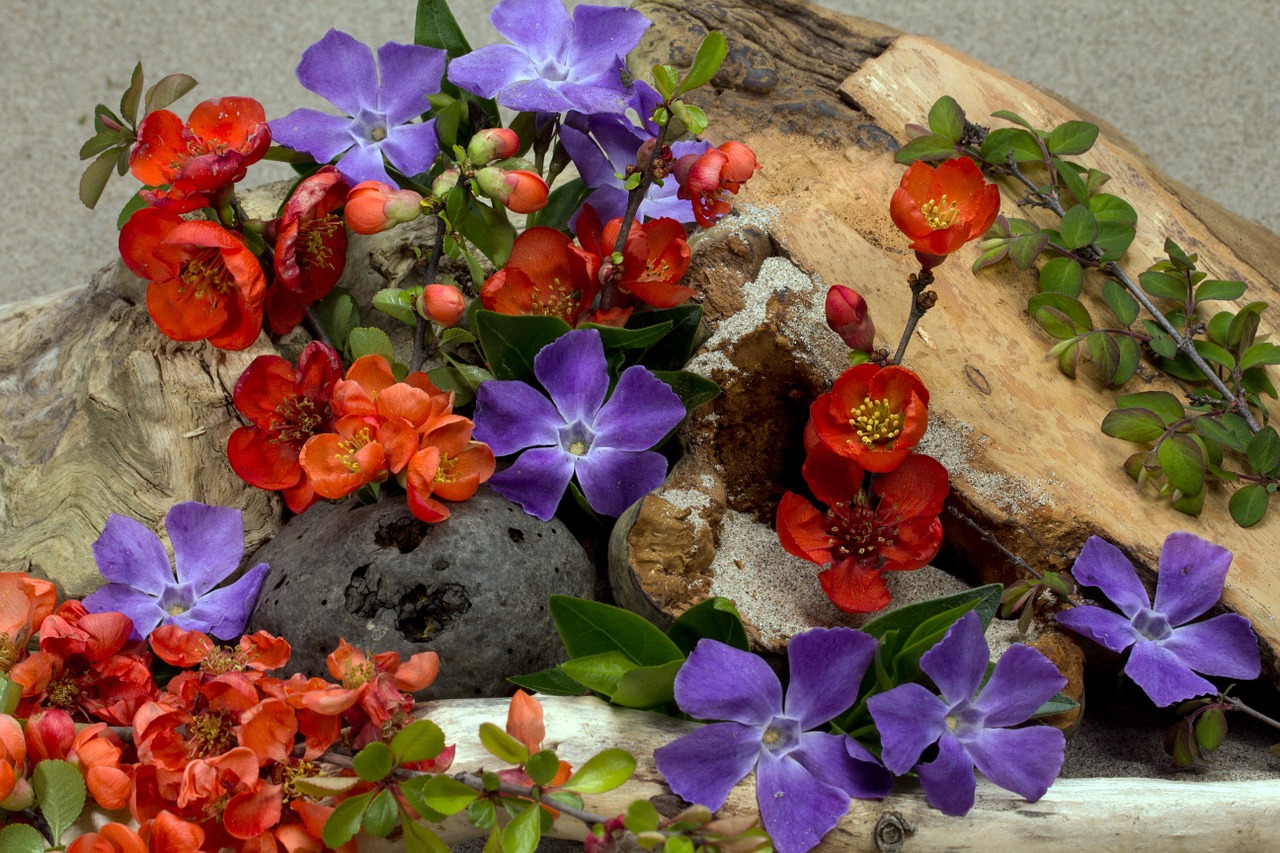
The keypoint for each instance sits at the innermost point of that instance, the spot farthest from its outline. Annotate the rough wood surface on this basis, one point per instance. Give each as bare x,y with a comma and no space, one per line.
1022,441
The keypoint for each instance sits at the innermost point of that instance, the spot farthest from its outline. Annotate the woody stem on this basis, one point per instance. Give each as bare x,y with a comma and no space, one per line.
918,283
420,326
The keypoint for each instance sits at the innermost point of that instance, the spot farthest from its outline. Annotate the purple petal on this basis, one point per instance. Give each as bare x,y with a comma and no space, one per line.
1102,565
909,719
1191,574
613,480
602,34
407,73
1025,761
138,606
594,169
1023,680
573,370
591,99
704,765
959,661
536,95
1111,630
511,416
639,413
340,69
619,139
363,162
536,481
540,28
129,553
489,70
1224,645
224,612
208,543
719,682
1163,676
321,135
827,665
412,148
827,757
797,810
948,780
609,203
662,201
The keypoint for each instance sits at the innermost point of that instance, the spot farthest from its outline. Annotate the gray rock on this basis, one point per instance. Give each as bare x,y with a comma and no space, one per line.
473,589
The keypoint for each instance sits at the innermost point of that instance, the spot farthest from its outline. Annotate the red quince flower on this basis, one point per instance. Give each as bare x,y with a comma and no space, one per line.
706,179
374,207
873,415
205,283
310,249
357,453
525,724
370,390
13,759
111,838
168,833
94,750
546,275
448,465
24,603
215,147
943,208
654,259
859,537
286,407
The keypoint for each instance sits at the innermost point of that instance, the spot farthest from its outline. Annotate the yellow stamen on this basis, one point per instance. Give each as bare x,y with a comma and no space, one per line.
351,447
939,214
874,422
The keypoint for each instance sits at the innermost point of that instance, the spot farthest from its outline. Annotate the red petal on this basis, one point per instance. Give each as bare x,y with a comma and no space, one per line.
262,459
854,588
800,532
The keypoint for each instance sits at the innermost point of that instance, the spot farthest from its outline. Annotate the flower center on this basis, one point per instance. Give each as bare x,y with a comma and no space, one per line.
356,674
378,133
781,735
965,720
1152,624
210,733
857,531
940,214
444,470
555,301
8,653
206,272
576,439
64,693
314,238
352,446
874,422
176,610
288,775
298,419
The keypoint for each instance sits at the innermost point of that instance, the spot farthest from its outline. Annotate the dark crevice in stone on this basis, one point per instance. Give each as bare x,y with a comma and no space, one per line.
404,534
425,611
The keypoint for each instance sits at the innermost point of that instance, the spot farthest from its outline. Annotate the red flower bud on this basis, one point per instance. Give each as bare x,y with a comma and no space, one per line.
519,191
372,207
492,143
442,304
847,317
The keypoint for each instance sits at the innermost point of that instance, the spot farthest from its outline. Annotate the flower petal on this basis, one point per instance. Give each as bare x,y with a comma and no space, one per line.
208,543
129,553
340,69
412,148
1023,680
958,662
827,665
909,719
613,480
536,481
224,612
1224,645
539,28
143,609
1192,572
592,166
704,765
321,135
797,809
1163,675
407,74
602,35
1111,630
1025,761
827,757
1102,565
512,415
641,410
363,162
719,682
491,69
948,780
573,370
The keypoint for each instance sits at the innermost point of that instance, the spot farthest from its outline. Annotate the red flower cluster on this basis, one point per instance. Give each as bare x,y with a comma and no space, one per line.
315,435
655,258
707,179
943,208
867,424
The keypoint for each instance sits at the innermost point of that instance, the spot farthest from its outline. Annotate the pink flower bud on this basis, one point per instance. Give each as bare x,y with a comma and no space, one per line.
442,185
442,304
847,317
492,143
518,190
372,207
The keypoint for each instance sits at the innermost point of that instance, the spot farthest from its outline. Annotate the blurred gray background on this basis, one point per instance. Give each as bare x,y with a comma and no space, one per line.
1193,83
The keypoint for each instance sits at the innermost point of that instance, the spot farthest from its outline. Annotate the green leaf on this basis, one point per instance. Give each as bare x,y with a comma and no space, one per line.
647,686
1105,353
326,786
1180,258
1263,353
591,628
344,822
1068,357
1056,704
1264,450
503,745
419,741
338,314
461,379
673,350
1163,284
1211,727
1009,115
642,337
1249,504
1215,289
398,303
1121,302
1183,463
946,119
510,342
522,833
1024,250
132,96
561,204
382,815
482,815
1164,404
1214,353
21,838
1070,175
420,839
599,672
375,762
1217,432
100,142
94,180
716,618
10,695
1072,137
60,789
927,148
1002,142
1078,228
168,90
706,62
641,817
1130,355
489,230
549,682
1133,425
1062,275
447,796
665,80
692,389
1060,315
435,26
1244,326
368,340
602,772
985,600
542,766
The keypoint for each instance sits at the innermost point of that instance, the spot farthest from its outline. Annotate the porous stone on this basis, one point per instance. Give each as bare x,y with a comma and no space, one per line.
473,588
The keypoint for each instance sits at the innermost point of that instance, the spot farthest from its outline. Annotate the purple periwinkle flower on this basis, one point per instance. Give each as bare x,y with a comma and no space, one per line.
970,723
605,443
804,778
208,542
1167,651
378,100
554,63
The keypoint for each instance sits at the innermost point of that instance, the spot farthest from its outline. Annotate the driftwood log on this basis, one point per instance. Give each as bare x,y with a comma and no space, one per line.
823,100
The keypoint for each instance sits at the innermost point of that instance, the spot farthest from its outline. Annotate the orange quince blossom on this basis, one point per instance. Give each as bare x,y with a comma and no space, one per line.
13,758
943,208
546,275
168,833
873,415
706,179
370,390
449,465
205,283
286,406
310,248
94,750
654,259
219,141
525,724
360,451
111,838
24,603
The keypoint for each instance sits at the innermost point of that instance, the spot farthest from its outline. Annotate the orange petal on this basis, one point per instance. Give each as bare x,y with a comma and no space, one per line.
418,672
525,722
